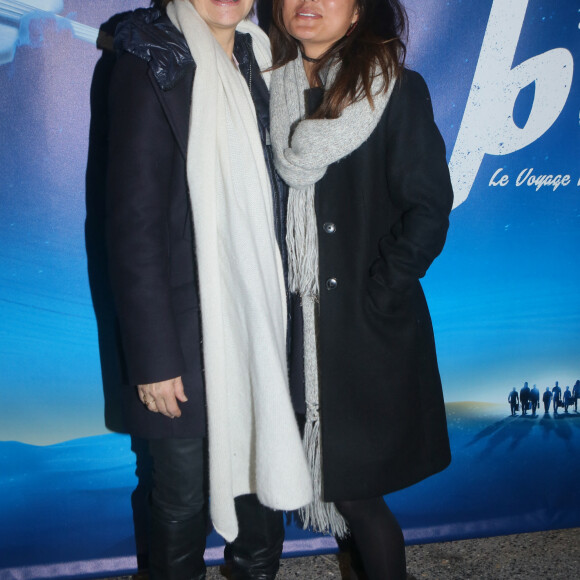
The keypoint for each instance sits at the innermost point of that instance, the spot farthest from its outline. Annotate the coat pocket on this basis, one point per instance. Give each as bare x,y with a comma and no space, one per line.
385,300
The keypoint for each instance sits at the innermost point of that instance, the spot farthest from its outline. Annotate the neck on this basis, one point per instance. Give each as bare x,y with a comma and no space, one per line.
309,58
309,64
308,69
225,38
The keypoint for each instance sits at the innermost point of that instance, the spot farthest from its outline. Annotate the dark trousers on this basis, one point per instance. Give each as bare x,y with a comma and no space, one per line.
179,519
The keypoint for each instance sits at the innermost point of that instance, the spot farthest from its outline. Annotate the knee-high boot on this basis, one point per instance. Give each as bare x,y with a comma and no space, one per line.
177,547
178,510
255,553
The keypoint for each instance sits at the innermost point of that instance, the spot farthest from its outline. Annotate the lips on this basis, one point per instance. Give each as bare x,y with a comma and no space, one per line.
307,14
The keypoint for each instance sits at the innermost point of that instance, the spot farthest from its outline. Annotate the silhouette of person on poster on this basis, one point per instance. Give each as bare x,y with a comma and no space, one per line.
557,394
535,399
547,398
525,397
513,400
567,399
576,394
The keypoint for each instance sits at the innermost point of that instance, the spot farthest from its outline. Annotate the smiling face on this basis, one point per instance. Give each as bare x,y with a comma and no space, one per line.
222,16
318,24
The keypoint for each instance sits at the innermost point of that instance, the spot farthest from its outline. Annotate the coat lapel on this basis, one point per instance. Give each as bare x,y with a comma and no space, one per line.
176,103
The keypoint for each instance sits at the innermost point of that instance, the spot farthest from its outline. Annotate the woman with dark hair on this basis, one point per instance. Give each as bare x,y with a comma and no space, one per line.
195,245
354,137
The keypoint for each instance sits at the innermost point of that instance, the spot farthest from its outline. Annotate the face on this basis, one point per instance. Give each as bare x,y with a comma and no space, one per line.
318,24
222,16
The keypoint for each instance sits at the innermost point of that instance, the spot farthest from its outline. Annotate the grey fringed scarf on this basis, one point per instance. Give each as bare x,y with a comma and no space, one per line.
303,149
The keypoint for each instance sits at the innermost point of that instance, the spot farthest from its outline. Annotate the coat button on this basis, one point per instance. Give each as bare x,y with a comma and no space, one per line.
329,227
331,283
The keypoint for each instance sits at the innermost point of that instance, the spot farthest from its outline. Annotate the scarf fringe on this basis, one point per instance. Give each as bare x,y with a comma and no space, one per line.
320,515
302,241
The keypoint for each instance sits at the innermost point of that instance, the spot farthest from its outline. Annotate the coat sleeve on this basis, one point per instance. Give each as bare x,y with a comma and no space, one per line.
419,186
141,148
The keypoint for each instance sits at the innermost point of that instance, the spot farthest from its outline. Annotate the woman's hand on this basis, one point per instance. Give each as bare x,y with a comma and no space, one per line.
162,397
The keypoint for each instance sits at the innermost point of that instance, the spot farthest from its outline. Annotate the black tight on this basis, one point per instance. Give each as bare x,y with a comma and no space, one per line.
377,537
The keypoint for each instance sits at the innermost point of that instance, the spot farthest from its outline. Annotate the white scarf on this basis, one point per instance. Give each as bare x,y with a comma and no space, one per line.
254,444
303,149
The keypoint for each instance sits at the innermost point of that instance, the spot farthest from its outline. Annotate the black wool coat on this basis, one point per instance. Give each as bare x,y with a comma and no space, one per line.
151,250
382,215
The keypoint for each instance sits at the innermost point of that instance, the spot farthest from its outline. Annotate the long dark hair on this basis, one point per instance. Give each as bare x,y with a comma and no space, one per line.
376,45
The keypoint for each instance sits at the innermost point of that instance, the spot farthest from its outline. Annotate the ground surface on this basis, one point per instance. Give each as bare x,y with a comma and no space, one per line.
552,555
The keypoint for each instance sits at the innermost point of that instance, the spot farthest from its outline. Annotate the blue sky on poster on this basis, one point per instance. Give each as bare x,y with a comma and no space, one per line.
504,294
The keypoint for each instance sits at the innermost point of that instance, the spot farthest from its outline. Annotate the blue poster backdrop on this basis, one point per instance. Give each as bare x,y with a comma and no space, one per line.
504,294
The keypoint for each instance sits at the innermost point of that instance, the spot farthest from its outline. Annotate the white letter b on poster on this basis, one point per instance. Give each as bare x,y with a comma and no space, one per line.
488,125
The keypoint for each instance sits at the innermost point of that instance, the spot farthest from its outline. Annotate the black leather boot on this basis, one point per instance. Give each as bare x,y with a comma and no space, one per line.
255,553
178,510
176,548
